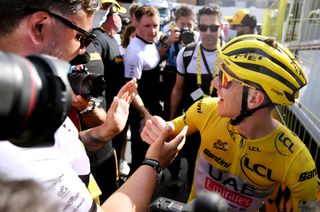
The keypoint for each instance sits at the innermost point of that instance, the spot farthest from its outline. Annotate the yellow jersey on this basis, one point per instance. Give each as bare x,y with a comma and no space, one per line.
248,172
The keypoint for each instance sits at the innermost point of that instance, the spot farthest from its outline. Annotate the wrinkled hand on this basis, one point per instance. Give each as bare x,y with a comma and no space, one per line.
165,150
153,129
118,112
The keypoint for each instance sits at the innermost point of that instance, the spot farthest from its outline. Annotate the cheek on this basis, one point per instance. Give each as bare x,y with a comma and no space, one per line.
237,100
68,52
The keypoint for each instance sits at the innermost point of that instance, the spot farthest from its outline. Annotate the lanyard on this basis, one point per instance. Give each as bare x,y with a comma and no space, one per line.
199,80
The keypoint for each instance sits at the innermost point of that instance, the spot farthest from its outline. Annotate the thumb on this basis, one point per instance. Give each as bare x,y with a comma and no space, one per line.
165,135
179,140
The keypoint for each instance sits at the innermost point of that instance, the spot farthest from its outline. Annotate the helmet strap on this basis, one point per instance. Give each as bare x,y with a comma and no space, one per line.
244,113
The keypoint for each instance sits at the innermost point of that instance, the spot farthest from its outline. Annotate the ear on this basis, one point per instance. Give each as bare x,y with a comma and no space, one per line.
38,24
255,98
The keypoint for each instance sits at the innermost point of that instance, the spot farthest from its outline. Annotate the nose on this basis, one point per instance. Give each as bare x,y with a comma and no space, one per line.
155,30
208,31
216,83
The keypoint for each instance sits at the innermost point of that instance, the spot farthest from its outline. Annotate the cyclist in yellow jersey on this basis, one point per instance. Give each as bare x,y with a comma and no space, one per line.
245,155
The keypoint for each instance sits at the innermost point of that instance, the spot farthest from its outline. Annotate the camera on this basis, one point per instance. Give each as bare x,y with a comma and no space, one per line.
35,98
186,36
206,201
88,85
162,204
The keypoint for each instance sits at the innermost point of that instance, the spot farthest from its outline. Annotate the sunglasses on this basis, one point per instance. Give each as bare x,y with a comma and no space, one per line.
85,38
204,27
226,80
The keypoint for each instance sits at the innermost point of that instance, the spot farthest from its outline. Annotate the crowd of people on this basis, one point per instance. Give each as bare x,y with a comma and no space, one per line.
213,99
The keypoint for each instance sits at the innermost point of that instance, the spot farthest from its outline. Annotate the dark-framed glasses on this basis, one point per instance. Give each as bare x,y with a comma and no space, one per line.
204,27
85,38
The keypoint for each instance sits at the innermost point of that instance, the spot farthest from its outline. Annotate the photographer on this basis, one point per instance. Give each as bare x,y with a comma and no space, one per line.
169,46
60,28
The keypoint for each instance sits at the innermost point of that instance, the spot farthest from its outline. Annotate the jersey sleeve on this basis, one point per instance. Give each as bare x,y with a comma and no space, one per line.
302,177
298,184
197,115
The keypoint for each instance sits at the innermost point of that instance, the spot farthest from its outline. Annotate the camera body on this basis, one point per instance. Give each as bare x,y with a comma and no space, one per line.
205,201
88,85
162,204
186,36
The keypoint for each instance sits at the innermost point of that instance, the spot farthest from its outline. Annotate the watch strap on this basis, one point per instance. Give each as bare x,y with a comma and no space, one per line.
153,163
88,109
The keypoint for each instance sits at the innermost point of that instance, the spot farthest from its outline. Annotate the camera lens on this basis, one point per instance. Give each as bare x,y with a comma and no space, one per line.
35,96
187,36
86,84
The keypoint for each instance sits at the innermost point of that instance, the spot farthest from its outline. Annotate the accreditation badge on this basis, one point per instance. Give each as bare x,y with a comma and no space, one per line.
197,94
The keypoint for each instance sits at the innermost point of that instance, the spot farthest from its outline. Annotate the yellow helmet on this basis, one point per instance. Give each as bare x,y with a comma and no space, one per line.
266,64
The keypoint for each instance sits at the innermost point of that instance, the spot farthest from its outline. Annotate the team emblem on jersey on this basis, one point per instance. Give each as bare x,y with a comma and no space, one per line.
249,168
222,145
199,106
216,158
308,175
235,136
283,144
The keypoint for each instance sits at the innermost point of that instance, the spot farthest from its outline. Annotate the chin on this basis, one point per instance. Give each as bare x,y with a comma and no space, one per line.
225,114
153,40
220,112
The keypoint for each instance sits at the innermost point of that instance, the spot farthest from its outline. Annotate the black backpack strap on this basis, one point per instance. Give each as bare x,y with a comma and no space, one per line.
187,54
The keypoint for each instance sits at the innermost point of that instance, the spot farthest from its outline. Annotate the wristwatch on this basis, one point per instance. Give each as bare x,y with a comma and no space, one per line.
88,109
153,163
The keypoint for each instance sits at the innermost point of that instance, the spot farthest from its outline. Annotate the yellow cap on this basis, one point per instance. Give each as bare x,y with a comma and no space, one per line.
237,18
120,9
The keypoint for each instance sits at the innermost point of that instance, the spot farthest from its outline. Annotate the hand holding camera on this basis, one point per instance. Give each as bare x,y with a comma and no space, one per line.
86,84
183,36
174,35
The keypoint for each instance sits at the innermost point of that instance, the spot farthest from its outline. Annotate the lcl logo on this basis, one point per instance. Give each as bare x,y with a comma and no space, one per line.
283,140
256,168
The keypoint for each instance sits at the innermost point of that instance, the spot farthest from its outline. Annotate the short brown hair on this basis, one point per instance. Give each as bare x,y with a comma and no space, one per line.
184,11
146,10
210,9
133,8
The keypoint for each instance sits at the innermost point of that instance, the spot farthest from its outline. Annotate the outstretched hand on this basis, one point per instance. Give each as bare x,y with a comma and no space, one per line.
118,112
165,150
